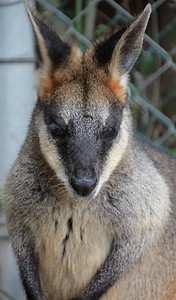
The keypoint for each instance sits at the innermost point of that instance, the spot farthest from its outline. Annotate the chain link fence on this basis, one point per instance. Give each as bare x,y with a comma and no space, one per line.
152,87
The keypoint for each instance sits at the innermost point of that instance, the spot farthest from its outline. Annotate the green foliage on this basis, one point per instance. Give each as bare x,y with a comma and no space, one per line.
147,64
172,152
101,30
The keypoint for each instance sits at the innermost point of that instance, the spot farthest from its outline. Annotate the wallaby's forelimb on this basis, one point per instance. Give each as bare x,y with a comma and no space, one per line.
124,253
29,271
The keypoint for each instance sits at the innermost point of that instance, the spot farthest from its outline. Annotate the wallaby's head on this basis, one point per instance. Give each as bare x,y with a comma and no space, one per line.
82,115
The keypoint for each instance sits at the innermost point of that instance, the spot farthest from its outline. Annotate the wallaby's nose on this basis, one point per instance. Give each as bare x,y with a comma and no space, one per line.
83,186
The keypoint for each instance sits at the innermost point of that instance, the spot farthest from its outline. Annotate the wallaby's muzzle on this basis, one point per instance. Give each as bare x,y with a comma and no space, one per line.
83,180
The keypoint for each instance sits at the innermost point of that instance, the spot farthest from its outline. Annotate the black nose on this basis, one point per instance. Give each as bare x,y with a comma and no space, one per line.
83,186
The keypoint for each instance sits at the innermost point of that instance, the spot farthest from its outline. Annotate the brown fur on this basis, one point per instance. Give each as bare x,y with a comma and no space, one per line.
171,295
117,89
48,88
51,81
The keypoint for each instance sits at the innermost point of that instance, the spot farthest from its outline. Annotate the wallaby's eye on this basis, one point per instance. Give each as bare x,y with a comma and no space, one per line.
56,129
112,131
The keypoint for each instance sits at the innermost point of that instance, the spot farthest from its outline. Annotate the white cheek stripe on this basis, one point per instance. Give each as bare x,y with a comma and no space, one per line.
114,156
51,154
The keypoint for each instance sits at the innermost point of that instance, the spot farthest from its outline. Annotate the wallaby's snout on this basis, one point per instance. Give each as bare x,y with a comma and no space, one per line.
83,180
82,167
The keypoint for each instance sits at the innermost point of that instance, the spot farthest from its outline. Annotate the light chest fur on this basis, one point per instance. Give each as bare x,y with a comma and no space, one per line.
72,243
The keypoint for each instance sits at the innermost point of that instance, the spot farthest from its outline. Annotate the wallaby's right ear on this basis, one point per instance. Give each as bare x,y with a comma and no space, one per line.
52,48
120,51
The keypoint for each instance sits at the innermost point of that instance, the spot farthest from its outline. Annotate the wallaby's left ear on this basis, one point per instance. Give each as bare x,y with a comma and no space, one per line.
121,50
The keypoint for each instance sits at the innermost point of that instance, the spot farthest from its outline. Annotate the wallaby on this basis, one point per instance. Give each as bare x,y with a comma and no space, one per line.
91,211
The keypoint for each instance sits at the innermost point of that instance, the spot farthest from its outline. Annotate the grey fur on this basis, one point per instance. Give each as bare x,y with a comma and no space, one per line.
94,246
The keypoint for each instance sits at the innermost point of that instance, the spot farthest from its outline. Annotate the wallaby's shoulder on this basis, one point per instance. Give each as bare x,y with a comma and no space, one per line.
29,178
164,162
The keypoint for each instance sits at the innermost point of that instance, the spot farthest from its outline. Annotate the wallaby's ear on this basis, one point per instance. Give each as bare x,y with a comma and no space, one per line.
121,50
52,48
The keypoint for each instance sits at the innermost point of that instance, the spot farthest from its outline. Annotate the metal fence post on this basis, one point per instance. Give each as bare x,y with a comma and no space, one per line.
16,103
16,80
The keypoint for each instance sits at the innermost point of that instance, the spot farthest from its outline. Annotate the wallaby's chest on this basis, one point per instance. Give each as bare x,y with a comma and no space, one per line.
71,244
